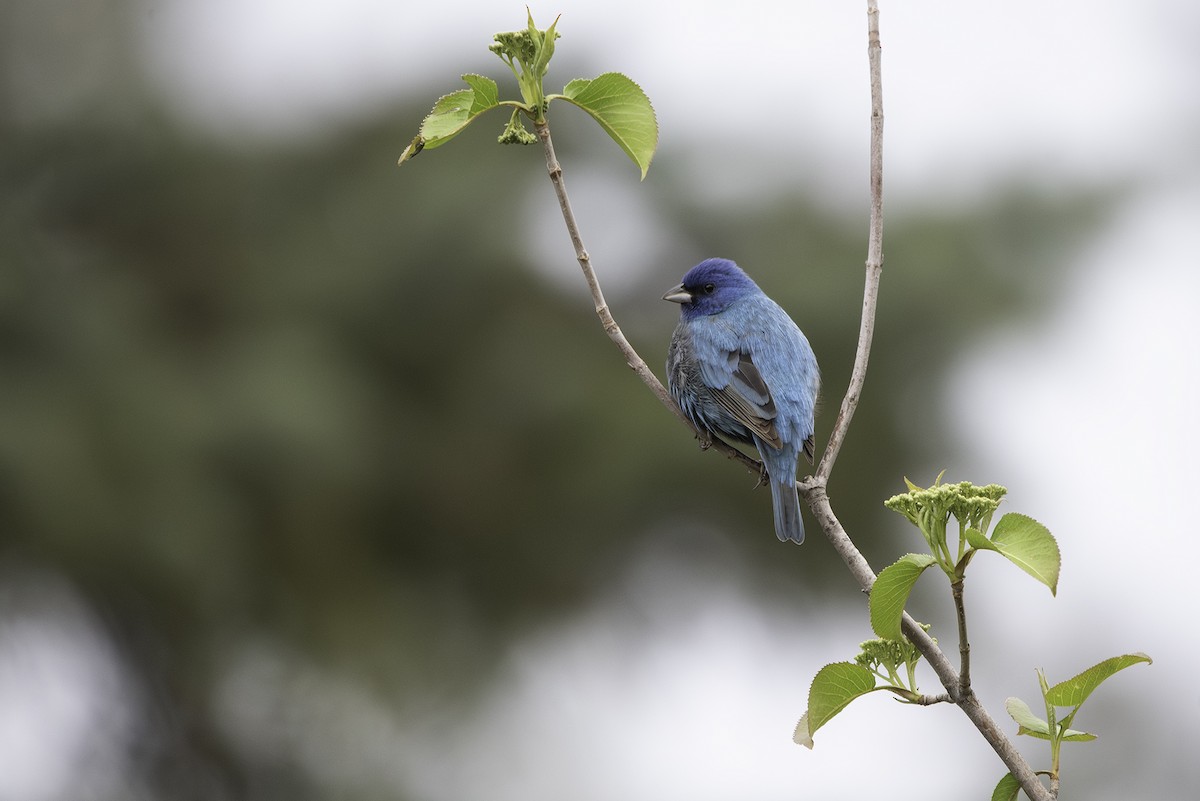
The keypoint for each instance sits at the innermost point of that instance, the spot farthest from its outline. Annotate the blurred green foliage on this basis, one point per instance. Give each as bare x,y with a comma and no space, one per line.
282,390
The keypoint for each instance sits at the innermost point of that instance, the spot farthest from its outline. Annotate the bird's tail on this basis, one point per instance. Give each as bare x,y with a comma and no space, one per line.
788,525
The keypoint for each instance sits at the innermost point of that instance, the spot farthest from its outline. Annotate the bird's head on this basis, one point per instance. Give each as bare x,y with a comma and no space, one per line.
711,287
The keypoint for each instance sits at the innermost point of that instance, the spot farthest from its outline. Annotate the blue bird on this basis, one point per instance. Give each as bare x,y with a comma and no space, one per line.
740,368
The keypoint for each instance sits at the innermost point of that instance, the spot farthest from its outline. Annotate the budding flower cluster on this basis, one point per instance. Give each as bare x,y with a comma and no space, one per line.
931,508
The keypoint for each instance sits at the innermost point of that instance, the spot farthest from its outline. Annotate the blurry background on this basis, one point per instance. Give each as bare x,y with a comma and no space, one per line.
319,479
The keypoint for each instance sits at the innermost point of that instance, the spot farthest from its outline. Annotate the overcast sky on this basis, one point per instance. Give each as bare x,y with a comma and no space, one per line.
972,89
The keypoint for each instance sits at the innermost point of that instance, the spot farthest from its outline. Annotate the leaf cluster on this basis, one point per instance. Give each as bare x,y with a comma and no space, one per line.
1022,540
931,508
837,684
890,662
613,100
1056,728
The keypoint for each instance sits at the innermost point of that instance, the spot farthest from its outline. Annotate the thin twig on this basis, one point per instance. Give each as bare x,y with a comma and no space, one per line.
957,686
964,645
930,700
635,362
813,490
874,265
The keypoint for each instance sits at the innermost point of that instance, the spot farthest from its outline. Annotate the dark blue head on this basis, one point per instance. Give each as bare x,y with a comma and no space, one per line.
710,287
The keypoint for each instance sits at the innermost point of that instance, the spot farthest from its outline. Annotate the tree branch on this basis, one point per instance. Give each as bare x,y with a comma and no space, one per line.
635,362
814,488
874,264
964,645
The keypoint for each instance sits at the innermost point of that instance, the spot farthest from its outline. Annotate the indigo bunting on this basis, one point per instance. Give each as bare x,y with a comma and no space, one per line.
740,368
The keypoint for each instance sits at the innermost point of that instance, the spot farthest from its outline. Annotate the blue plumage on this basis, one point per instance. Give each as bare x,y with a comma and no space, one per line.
741,369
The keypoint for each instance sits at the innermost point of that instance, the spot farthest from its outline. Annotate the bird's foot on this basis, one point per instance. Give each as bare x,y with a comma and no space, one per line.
763,476
705,439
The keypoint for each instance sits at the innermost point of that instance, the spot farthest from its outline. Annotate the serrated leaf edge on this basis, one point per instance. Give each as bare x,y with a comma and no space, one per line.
578,86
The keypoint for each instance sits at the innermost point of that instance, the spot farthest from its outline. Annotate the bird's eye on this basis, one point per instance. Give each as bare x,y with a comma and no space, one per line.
709,289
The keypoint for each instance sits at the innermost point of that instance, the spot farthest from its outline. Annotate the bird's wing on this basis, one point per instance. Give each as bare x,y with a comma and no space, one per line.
748,399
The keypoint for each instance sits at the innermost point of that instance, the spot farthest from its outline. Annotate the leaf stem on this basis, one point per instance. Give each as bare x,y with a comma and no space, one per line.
964,645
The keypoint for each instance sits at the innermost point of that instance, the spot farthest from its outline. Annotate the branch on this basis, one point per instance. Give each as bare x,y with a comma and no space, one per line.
964,645
930,700
874,265
957,686
635,362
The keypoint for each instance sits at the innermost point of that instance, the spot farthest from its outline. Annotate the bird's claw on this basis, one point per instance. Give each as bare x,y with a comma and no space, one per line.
763,475
705,439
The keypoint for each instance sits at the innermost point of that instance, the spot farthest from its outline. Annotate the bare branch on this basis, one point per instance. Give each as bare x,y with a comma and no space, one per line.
635,362
812,489
866,331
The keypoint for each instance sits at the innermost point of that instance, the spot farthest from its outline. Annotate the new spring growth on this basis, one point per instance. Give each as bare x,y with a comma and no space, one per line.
614,101
931,508
885,658
527,53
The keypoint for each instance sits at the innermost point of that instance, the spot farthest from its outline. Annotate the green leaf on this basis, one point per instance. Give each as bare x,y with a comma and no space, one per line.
833,687
485,93
1007,789
1019,711
1074,691
802,736
977,539
545,46
452,113
1026,543
891,590
623,111
1075,736
414,147
1031,724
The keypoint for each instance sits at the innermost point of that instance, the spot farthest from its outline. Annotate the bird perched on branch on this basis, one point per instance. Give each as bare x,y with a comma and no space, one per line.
741,369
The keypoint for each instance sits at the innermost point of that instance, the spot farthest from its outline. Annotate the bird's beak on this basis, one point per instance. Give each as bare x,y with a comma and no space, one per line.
677,294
